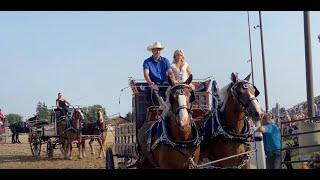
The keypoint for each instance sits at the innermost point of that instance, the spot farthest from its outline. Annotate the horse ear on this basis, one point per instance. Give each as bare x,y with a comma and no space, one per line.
234,77
248,77
188,81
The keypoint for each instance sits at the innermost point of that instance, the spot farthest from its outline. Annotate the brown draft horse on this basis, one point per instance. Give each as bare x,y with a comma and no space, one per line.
67,136
228,129
90,129
173,141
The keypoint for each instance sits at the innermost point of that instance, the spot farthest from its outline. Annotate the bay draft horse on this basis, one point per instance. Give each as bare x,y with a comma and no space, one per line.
228,129
67,136
173,141
99,130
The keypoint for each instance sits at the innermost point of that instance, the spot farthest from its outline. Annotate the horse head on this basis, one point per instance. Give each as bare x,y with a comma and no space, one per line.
101,121
243,99
181,97
77,117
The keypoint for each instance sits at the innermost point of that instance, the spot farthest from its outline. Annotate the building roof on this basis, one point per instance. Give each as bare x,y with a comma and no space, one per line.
118,120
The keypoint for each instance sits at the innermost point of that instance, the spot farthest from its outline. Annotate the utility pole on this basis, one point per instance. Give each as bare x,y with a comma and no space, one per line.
250,47
309,77
264,66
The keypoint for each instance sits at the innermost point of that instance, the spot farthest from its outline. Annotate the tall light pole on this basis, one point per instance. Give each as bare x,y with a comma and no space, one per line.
263,65
308,57
250,48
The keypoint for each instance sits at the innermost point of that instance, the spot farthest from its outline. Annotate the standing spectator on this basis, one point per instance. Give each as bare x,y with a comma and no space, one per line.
1,118
272,142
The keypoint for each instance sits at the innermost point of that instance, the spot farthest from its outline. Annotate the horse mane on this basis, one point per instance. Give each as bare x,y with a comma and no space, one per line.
223,94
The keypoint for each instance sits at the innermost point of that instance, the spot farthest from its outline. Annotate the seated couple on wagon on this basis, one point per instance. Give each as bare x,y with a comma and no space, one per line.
156,69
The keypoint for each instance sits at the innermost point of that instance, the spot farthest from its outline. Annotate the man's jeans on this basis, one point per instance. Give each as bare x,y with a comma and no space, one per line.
274,160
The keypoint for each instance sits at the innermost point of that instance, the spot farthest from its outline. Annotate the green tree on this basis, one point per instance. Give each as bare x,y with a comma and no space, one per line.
42,111
13,118
90,113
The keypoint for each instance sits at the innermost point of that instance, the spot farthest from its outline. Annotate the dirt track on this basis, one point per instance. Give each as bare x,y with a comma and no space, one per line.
18,156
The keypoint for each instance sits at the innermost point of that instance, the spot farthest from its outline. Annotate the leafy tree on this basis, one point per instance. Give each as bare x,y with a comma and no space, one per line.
13,118
90,113
42,111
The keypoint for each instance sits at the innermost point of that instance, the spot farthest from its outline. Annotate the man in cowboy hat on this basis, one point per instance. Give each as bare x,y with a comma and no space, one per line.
156,69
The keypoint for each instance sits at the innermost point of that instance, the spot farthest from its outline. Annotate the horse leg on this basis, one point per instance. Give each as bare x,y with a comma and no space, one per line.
101,149
80,149
70,150
83,144
92,149
66,148
17,138
62,148
12,139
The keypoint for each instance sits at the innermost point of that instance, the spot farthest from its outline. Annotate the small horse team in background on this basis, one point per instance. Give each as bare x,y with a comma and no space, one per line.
78,133
97,129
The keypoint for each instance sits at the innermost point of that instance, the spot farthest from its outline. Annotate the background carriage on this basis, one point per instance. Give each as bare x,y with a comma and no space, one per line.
43,131
143,111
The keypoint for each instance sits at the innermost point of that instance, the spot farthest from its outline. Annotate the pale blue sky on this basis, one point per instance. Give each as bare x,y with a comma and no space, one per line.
90,55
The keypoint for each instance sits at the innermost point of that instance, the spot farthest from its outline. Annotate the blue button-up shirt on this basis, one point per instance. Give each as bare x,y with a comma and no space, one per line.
157,69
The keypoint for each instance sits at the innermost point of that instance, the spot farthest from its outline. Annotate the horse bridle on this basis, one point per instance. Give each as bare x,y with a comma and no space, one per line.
180,90
245,85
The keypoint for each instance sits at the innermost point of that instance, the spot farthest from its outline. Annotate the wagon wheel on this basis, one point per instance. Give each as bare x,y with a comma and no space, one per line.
109,159
35,145
49,148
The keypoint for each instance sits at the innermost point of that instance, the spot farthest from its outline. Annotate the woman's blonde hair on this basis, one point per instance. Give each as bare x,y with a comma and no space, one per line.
175,53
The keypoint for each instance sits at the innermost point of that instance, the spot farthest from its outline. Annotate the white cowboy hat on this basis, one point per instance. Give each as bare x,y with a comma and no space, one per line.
157,45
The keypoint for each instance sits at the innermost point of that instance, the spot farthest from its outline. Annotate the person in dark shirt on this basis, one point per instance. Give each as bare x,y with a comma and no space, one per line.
62,104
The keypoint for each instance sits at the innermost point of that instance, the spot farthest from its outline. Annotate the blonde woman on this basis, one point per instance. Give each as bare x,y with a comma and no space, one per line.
180,67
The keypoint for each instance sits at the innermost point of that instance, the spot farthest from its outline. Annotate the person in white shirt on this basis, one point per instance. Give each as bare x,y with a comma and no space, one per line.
180,67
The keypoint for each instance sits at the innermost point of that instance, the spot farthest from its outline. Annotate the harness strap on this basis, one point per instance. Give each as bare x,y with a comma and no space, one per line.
164,138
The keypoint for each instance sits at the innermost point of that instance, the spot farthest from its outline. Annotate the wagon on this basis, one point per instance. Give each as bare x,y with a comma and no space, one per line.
43,131
142,111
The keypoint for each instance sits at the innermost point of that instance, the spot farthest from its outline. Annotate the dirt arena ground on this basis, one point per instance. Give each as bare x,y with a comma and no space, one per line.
19,156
